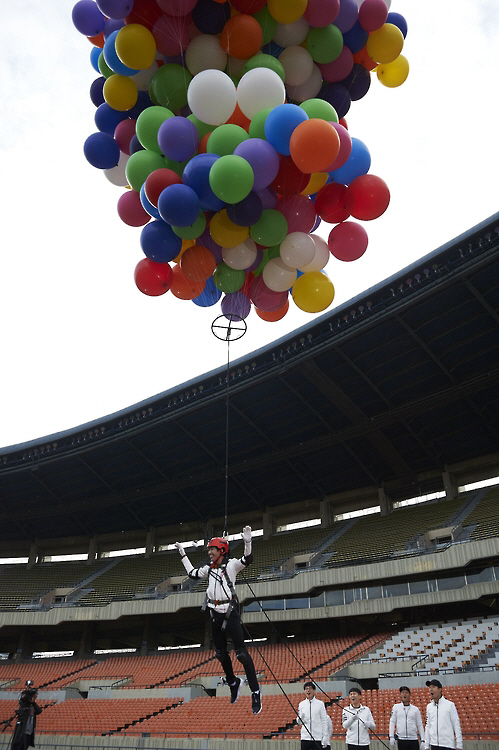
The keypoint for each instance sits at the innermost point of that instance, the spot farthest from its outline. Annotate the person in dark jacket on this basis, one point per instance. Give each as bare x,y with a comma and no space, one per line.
24,733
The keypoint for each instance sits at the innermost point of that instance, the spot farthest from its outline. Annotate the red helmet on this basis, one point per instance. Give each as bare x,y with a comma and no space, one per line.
220,543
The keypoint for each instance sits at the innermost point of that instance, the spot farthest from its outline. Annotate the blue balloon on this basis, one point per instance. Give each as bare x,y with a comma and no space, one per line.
96,93
147,205
143,102
94,58
111,58
209,296
159,242
246,212
196,176
135,145
357,164
179,205
280,123
106,118
210,17
399,21
357,82
272,49
337,95
101,150
116,9
355,38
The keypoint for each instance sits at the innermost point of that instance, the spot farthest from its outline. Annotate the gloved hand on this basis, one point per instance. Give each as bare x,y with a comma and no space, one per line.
392,742
180,548
246,535
423,746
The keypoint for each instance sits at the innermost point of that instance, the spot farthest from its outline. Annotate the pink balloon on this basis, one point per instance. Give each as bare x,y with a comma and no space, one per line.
176,7
348,241
123,134
299,211
171,34
130,209
264,298
340,68
321,13
373,14
345,147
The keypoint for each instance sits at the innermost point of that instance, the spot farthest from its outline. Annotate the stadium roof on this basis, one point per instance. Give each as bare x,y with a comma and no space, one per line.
400,381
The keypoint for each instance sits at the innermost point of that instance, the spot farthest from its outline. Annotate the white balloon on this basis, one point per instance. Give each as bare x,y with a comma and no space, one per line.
212,96
321,255
116,175
297,63
307,90
297,249
241,256
278,276
258,89
143,77
203,52
291,33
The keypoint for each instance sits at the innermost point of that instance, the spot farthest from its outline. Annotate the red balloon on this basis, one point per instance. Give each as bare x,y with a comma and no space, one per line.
153,278
245,289
248,6
272,315
362,58
131,210
123,134
367,197
348,241
330,203
289,179
373,14
264,298
158,181
144,12
299,211
171,34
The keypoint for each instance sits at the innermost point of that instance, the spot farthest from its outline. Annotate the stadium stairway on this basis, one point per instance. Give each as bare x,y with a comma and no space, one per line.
183,672
468,507
53,682
143,718
345,651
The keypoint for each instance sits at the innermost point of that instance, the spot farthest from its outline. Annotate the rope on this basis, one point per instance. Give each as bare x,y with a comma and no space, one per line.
226,523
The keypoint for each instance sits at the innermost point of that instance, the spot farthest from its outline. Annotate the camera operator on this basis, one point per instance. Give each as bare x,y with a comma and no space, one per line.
24,733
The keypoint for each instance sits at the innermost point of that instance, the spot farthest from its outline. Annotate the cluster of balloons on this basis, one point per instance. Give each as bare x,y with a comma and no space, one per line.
224,121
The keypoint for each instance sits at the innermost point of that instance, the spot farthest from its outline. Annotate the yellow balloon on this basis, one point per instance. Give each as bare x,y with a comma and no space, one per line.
185,245
393,74
385,44
286,11
313,292
316,181
120,92
224,232
135,46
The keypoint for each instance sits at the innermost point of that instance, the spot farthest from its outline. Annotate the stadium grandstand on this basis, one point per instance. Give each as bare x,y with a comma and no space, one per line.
364,453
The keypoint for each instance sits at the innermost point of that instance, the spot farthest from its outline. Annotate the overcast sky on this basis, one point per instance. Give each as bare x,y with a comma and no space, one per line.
79,341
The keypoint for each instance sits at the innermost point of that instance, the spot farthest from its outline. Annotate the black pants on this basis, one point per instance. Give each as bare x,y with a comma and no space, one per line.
310,744
357,747
440,747
234,630
408,744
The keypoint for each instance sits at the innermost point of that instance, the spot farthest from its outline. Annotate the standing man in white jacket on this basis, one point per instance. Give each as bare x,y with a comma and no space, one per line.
313,718
357,720
443,728
406,723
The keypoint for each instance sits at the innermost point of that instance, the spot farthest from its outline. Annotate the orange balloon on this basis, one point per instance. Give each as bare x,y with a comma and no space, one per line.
203,142
97,41
185,288
362,58
237,118
197,263
314,145
274,315
241,36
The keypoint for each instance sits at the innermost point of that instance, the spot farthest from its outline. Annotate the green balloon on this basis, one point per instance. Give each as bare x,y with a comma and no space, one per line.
104,67
267,23
231,178
175,166
324,44
169,85
319,109
202,127
147,126
268,254
193,231
257,124
266,61
225,139
270,229
228,279
140,165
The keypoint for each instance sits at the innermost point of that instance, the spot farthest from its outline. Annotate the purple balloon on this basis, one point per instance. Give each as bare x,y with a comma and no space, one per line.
112,25
87,18
115,8
347,16
206,240
178,138
263,159
236,303
246,212
268,197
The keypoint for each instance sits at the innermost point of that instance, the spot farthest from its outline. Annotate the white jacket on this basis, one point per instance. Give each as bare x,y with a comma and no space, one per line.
406,722
312,715
357,722
442,724
218,587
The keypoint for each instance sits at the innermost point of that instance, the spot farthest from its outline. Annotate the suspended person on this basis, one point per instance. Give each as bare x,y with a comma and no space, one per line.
24,733
443,728
406,723
357,719
314,720
223,606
